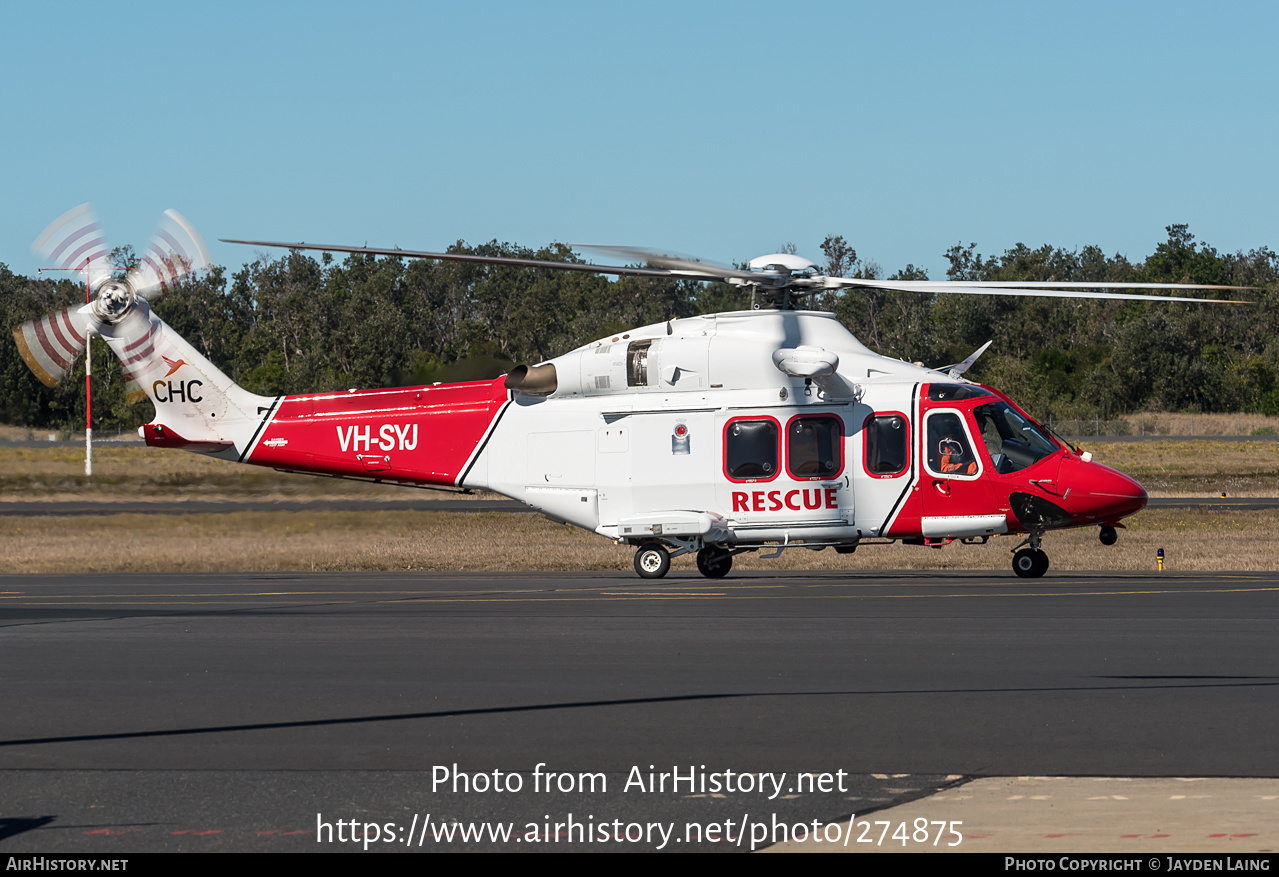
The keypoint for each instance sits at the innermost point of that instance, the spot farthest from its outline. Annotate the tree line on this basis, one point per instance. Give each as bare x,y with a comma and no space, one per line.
297,324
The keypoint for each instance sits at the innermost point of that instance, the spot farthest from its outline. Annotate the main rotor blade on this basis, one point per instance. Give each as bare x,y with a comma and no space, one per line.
74,241
51,344
930,285
685,269
176,251
1030,289
659,259
959,368
618,270
1052,284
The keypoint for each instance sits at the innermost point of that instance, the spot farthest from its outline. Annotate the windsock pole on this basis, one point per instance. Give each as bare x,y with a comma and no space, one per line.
88,381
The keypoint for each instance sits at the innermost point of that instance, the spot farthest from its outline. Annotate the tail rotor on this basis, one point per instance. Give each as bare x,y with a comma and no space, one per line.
176,251
74,241
51,344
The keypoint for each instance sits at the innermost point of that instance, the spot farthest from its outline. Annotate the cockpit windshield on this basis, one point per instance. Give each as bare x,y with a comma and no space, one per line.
1013,441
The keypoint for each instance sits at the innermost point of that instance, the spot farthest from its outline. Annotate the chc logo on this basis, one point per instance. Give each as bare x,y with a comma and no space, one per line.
179,391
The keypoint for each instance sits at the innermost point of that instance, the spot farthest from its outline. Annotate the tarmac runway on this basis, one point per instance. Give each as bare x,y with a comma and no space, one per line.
243,711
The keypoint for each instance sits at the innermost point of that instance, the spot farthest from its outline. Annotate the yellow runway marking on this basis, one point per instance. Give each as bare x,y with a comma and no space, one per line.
502,599
253,594
656,591
359,593
565,595
168,603
658,594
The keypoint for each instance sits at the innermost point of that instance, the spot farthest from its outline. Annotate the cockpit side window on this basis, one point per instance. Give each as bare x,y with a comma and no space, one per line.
1013,442
948,451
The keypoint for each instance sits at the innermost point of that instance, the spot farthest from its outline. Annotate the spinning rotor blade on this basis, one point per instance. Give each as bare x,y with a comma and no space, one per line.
621,271
959,368
1036,289
74,241
1052,284
658,259
176,251
663,265
50,344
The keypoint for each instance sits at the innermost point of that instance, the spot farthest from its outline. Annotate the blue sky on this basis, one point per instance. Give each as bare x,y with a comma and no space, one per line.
718,130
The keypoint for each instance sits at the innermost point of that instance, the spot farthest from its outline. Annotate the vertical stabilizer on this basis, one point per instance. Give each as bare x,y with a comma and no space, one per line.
197,407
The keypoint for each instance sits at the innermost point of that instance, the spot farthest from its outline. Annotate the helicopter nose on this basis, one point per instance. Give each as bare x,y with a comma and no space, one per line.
1102,494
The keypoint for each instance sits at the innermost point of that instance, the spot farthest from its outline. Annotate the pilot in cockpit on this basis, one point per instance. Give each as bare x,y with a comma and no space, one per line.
952,458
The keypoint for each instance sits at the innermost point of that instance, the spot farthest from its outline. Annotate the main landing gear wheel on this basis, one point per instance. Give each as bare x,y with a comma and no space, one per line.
714,563
652,561
1030,563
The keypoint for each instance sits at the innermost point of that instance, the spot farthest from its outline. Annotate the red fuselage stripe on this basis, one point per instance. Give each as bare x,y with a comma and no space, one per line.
423,435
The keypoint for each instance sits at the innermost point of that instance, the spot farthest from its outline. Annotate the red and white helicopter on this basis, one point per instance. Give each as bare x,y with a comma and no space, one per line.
746,431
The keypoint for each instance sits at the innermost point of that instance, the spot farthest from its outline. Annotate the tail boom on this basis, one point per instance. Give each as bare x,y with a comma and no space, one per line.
417,435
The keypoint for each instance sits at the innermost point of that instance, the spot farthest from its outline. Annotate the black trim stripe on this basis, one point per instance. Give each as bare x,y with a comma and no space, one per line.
916,445
266,417
484,442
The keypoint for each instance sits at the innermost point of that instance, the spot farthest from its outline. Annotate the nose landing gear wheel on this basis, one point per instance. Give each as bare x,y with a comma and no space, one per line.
714,563
1030,563
1108,536
652,561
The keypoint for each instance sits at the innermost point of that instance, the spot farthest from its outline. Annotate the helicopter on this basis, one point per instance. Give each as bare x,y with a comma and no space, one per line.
760,430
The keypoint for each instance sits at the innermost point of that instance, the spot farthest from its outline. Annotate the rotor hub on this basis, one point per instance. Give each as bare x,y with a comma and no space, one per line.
114,300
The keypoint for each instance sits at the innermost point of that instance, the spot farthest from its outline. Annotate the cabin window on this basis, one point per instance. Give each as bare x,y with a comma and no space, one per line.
887,444
637,363
1013,441
750,450
948,450
814,447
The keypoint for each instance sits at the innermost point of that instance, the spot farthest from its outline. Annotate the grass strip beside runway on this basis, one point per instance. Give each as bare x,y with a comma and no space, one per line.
1192,539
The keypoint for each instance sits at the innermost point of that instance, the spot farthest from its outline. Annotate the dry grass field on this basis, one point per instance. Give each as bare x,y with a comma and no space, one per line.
420,540
137,473
1195,468
1199,424
424,540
